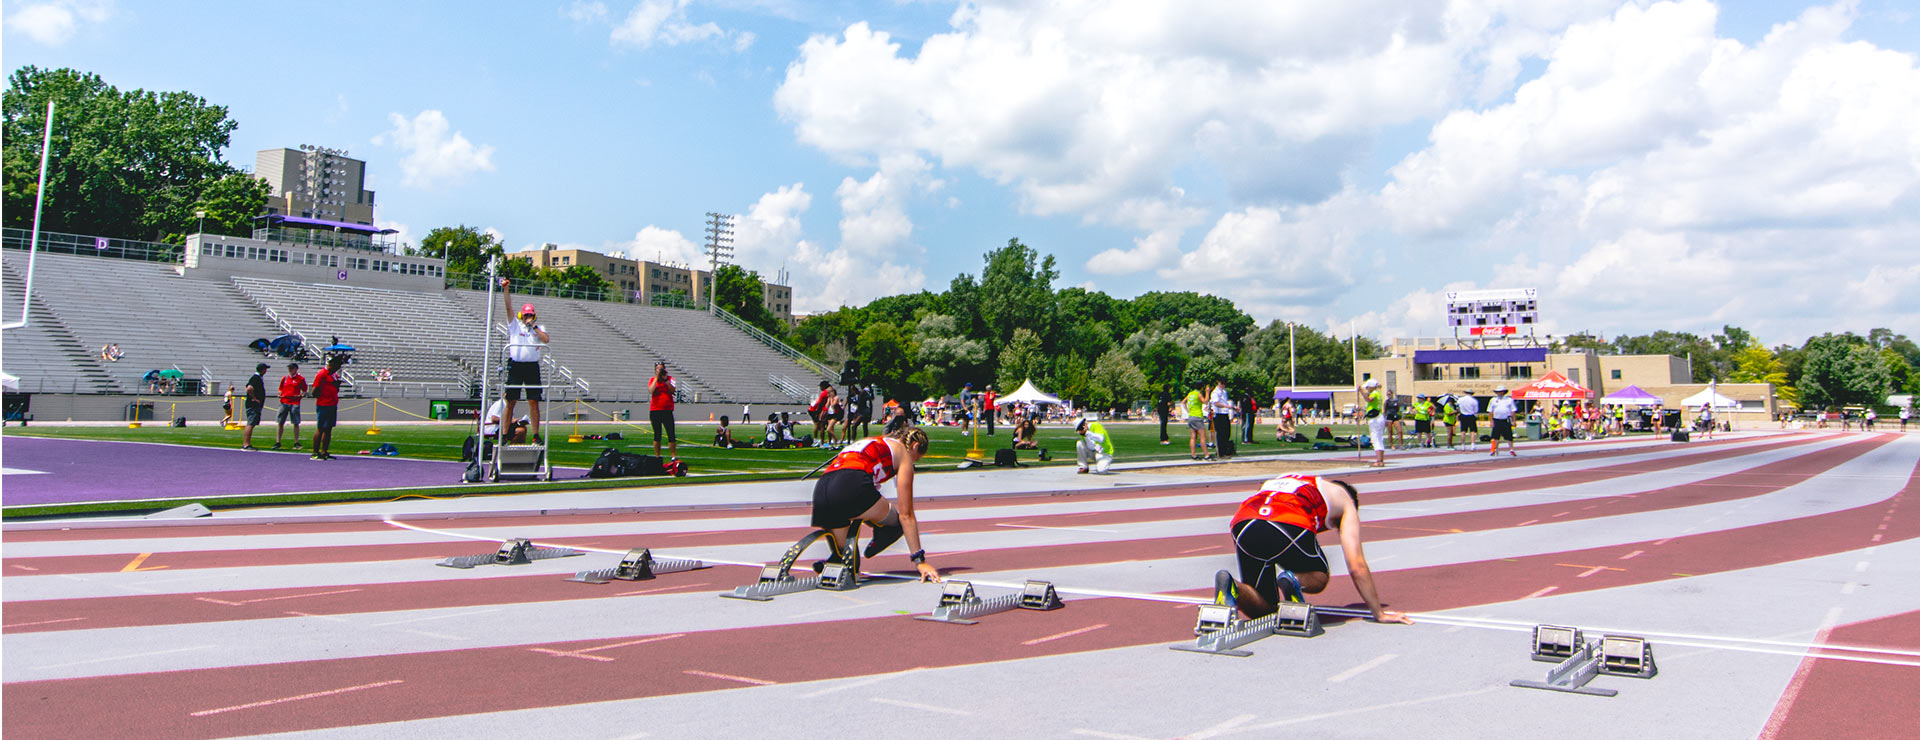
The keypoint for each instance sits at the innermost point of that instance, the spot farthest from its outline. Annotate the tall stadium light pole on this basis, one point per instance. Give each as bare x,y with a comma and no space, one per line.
33,240
719,252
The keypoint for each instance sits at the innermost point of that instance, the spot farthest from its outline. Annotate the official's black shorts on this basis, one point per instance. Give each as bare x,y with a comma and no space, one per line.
325,417
1262,544
1422,426
842,495
1503,429
662,418
523,373
1469,424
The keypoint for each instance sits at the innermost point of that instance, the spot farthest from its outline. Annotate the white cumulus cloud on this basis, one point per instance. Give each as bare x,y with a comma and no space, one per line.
663,22
431,152
54,23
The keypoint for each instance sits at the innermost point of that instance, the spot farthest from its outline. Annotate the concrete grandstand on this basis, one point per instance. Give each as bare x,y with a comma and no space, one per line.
168,315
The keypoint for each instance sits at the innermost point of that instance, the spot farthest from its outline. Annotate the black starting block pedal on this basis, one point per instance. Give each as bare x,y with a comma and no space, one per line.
1579,660
638,564
512,552
1040,596
1214,618
1221,631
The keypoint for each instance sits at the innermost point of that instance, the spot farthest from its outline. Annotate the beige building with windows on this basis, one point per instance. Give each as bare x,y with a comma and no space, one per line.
643,281
315,182
1435,366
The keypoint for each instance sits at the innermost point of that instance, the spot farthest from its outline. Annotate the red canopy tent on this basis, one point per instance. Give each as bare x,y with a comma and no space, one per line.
1552,387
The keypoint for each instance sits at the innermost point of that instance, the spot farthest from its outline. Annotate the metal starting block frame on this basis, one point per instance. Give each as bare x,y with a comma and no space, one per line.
1578,660
638,564
519,551
960,605
1221,630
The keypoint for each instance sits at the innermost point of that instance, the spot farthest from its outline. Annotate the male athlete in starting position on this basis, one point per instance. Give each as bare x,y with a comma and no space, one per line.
1280,558
850,491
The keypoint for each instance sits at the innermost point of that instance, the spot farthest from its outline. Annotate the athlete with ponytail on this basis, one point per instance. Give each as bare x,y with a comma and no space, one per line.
849,492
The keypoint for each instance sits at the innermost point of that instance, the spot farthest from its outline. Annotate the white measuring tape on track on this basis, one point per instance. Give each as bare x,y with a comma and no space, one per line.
1886,656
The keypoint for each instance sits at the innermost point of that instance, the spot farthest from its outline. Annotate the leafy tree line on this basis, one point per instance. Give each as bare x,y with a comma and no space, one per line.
1829,370
1010,324
132,164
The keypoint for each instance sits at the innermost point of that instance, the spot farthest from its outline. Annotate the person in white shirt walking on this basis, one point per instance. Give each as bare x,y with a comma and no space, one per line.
1469,419
526,343
1502,408
1374,402
1222,406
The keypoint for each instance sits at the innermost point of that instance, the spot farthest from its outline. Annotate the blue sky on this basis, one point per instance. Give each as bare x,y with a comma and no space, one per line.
1327,163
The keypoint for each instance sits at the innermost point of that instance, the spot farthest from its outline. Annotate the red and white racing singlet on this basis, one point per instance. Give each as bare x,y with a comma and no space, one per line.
872,455
1293,499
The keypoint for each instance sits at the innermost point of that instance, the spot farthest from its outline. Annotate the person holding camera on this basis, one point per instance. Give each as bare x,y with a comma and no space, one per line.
526,342
660,393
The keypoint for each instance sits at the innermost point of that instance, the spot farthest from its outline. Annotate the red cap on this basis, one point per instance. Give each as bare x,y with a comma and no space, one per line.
526,309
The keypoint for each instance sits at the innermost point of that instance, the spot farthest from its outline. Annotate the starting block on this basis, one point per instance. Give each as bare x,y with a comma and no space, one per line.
1221,631
778,579
512,552
959,604
774,581
1578,660
639,564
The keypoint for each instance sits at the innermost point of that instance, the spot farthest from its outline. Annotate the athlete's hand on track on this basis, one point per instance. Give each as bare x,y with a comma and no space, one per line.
929,574
1387,616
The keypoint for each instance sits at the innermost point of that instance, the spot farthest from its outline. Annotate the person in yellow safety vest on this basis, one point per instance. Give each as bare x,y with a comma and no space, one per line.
1568,423
1422,421
1553,424
1450,414
1620,419
1095,447
1376,416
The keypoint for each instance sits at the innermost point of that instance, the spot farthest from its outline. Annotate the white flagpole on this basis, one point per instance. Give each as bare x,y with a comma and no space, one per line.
33,240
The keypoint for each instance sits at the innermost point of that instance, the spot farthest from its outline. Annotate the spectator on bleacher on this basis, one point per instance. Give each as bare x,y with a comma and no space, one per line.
326,406
255,401
660,389
293,387
111,352
526,341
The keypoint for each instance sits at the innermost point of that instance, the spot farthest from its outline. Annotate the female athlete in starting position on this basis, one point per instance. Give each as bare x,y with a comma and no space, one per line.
849,491
1280,558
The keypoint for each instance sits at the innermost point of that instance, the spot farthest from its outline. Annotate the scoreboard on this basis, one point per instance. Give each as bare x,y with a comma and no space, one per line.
1493,312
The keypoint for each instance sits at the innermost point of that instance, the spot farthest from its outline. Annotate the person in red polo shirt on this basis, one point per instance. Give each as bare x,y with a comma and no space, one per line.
326,406
1280,559
293,388
660,389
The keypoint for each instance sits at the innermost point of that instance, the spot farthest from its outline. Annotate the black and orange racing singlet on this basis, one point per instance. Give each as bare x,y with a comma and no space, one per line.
872,455
1293,499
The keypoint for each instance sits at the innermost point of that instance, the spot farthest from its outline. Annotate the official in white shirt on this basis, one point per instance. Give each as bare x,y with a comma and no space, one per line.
1502,408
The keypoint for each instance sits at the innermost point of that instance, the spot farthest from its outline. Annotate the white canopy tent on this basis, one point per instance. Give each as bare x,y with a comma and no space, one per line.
1709,395
1028,394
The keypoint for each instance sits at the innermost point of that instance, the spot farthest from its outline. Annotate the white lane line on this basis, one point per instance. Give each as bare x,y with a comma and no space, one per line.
1059,529
124,657
1068,633
1631,555
725,677
314,695
274,598
1362,668
635,736
658,590
1220,729
429,619
582,653
44,621
1199,549
1375,707
1860,567
435,635
320,616
919,706
869,681
1541,592
1849,587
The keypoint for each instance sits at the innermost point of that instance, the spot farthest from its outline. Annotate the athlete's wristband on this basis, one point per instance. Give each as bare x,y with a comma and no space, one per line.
918,556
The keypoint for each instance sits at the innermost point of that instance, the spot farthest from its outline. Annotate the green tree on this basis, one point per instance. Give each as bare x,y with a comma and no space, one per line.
466,249
580,281
944,354
1843,370
1068,377
1163,363
1021,359
906,308
127,164
841,327
1016,292
741,291
1089,321
1116,382
1172,310
1757,364
1707,362
886,358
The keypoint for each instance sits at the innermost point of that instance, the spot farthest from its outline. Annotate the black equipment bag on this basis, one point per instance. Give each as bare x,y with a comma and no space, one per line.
1005,458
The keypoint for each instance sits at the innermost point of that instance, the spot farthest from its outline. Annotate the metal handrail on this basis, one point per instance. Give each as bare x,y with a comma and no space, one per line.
774,343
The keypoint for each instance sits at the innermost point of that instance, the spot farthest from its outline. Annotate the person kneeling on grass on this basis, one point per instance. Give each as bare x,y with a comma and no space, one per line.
849,491
1094,446
1280,559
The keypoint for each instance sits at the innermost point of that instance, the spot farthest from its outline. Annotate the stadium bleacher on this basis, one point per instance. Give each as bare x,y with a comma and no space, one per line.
424,339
